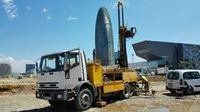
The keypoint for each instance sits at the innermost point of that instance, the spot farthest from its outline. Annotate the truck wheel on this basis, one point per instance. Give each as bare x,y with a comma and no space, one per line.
84,100
54,103
172,91
189,90
126,93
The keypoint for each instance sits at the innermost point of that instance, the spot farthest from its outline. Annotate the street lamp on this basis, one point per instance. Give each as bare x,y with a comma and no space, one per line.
132,58
165,59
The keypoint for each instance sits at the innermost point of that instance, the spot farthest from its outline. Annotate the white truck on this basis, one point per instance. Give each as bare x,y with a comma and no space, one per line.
65,76
62,76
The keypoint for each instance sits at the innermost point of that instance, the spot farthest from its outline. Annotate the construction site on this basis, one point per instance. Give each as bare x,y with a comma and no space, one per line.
67,80
23,100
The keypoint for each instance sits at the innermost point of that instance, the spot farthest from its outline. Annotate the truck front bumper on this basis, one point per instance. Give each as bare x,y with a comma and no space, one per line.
60,95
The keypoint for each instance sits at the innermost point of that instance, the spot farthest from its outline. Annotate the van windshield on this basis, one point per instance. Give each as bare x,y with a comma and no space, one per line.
191,75
173,75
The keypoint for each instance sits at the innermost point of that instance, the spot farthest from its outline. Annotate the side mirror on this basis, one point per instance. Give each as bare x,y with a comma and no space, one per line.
66,64
66,67
37,70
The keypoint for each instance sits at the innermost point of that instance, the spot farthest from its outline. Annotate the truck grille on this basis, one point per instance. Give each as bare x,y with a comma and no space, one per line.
48,85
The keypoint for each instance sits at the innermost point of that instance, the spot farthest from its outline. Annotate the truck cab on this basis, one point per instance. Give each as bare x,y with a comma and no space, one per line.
61,76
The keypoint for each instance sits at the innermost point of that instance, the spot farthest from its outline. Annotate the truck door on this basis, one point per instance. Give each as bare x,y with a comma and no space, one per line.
51,75
73,74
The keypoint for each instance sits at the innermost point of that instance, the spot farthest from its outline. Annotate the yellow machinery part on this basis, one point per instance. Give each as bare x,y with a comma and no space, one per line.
130,76
113,86
95,74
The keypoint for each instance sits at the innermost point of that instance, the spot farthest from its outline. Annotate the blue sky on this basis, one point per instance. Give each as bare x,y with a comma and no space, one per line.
31,28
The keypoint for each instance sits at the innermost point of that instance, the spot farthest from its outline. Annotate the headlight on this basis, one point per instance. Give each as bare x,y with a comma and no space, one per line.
59,96
37,86
37,95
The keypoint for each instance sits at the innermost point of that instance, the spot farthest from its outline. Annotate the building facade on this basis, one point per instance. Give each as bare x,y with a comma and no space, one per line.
104,46
172,55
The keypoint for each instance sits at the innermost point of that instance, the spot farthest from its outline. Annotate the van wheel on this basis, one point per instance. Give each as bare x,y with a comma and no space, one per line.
84,100
126,93
189,90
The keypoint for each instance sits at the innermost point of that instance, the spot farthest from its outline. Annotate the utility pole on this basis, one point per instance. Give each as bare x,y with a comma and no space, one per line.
132,58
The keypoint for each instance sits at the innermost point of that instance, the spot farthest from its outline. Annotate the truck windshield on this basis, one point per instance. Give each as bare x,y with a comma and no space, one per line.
173,75
52,63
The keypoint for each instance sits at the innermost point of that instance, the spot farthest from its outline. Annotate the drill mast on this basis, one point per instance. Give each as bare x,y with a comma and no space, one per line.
124,33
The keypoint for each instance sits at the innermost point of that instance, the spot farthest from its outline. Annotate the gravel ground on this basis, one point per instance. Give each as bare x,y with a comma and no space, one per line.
20,102
162,101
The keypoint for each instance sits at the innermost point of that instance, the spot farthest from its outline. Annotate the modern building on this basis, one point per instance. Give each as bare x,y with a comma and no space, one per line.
5,70
104,46
172,55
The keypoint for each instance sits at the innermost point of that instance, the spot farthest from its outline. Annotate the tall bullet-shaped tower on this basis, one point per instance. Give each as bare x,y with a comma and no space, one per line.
104,47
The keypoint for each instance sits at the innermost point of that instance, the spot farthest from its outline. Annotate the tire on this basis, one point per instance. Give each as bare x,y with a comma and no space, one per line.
84,100
172,91
55,104
126,93
136,90
189,90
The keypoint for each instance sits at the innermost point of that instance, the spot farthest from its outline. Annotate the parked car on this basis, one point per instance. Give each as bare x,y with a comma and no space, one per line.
187,81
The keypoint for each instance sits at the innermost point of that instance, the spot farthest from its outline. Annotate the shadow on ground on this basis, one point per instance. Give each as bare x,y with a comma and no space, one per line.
177,95
67,107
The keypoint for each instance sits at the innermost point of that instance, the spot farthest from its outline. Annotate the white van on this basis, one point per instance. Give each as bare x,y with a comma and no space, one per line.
187,81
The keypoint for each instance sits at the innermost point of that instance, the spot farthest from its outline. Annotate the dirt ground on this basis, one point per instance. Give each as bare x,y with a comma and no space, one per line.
10,86
162,101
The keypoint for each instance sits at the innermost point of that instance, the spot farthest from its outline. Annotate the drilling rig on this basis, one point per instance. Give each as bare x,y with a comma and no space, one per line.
124,33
